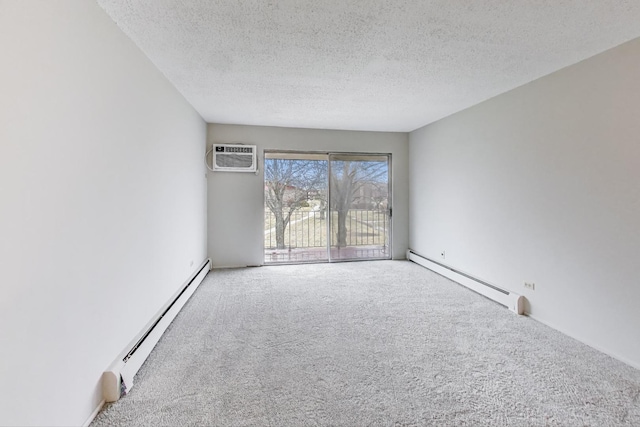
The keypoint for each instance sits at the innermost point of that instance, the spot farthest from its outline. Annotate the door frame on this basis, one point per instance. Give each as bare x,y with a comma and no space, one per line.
389,208
328,155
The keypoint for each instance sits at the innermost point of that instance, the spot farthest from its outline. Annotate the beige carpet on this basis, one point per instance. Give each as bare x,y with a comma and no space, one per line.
384,343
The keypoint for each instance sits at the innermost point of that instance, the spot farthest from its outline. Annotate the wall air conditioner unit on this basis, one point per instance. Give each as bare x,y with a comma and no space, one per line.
234,158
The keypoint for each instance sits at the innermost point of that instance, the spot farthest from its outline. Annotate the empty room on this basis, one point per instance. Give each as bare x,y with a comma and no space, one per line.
328,213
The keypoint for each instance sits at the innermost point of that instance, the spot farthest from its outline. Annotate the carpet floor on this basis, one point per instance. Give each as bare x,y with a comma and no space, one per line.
381,343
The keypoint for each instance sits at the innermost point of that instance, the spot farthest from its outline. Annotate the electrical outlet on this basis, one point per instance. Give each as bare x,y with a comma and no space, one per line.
530,285
442,254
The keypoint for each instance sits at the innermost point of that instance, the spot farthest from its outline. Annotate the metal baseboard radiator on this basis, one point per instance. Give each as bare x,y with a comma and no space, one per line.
117,380
512,301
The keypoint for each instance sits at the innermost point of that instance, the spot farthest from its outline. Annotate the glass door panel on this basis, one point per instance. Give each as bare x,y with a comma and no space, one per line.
295,207
359,195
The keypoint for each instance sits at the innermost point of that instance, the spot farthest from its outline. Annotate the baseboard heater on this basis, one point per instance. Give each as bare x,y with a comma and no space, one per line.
118,378
512,301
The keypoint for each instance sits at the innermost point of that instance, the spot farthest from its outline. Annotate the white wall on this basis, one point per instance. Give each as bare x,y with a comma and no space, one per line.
103,203
543,184
236,201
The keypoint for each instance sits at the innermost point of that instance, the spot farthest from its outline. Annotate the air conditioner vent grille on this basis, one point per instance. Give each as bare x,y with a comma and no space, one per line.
233,161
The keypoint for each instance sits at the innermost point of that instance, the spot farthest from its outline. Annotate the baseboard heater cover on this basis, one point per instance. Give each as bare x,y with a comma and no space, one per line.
511,300
117,380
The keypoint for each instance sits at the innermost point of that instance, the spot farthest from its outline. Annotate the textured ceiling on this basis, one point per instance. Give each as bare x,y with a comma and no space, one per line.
363,64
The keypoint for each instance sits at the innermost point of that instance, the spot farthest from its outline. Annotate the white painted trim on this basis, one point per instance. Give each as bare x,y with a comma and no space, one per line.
111,378
512,301
229,267
93,414
586,342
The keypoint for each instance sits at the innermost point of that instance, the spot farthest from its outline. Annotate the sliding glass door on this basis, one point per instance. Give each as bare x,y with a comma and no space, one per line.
326,207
